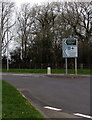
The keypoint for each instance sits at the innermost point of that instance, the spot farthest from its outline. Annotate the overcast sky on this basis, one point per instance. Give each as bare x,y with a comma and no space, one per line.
32,2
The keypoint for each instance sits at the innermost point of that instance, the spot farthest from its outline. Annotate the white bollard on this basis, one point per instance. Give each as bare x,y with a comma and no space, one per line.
48,70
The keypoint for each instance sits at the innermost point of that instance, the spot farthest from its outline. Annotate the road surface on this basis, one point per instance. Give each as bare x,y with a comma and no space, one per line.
69,95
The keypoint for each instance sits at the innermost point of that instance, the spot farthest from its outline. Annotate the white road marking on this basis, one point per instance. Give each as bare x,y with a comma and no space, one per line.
82,115
52,108
21,93
23,96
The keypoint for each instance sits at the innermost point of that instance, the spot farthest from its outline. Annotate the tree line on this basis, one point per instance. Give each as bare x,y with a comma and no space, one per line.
38,32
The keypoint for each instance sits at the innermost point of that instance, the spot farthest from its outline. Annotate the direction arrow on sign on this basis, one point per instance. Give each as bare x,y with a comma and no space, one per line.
70,51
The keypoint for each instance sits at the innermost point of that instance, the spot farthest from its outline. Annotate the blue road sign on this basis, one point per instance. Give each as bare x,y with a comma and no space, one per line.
70,48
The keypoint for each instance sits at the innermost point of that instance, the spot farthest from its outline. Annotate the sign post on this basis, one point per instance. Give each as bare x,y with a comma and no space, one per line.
70,50
76,66
66,65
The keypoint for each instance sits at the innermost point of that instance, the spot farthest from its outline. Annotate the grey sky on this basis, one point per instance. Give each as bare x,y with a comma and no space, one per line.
32,2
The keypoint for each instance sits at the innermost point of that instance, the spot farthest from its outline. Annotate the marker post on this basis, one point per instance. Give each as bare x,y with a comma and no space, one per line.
7,48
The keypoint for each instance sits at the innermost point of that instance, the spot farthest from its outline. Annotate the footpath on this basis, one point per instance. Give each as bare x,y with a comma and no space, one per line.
69,75
48,75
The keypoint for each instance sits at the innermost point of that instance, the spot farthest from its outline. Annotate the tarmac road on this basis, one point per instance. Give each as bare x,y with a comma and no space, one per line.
70,95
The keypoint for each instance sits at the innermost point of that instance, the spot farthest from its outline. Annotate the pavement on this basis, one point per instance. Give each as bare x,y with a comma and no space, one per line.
49,75
69,75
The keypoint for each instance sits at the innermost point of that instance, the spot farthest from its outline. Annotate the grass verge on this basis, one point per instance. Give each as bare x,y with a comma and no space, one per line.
16,106
54,71
25,70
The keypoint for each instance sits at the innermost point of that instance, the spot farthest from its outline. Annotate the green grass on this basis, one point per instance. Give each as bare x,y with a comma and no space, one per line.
0,99
25,70
72,71
84,71
54,71
16,106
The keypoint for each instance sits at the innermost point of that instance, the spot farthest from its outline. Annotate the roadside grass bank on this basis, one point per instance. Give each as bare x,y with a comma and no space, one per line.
25,70
0,98
14,105
53,71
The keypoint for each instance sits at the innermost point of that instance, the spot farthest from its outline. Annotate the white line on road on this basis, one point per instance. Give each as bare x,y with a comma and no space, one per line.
82,115
52,108
23,96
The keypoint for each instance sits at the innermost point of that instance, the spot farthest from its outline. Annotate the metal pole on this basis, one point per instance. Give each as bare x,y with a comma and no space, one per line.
7,47
76,66
21,54
7,62
66,65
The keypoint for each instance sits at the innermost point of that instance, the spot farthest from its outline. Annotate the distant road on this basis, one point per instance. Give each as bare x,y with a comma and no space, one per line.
72,95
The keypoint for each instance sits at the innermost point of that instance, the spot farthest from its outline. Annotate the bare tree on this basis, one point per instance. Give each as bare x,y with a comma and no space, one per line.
79,16
6,10
25,28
